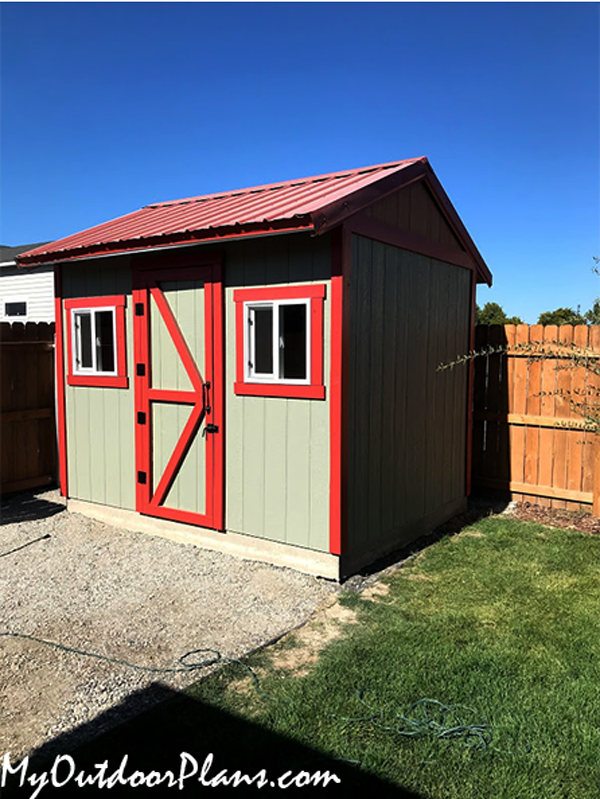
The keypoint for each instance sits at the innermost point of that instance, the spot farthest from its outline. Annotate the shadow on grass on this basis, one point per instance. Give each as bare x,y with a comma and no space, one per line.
482,504
214,740
26,507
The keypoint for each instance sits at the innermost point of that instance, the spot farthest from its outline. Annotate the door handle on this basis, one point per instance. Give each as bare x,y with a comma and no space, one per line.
206,397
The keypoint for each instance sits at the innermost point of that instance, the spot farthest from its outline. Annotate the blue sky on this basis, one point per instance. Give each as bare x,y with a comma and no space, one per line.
107,107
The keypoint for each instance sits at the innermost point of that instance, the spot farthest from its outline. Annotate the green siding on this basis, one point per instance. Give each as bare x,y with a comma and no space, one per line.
277,450
407,422
186,300
188,491
100,421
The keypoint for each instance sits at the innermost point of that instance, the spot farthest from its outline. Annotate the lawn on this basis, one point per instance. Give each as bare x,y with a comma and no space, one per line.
498,624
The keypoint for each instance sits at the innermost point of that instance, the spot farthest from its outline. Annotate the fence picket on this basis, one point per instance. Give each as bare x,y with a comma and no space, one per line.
534,450
27,406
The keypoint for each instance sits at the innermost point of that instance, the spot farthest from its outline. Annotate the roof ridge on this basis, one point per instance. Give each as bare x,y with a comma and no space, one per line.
284,183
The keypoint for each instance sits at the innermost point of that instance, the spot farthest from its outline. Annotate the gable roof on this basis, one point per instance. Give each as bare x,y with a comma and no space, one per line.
8,254
314,204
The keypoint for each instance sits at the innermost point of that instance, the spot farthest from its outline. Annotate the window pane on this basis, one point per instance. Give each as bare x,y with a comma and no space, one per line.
292,332
263,340
15,309
85,340
105,350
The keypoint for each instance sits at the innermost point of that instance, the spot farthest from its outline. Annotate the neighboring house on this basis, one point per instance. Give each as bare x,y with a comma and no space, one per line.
26,295
255,371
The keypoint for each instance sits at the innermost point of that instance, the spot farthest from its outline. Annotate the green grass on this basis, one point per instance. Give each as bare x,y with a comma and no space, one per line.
501,619
504,622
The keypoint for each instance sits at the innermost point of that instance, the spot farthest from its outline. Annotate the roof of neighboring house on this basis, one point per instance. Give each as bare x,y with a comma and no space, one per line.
8,254
314,204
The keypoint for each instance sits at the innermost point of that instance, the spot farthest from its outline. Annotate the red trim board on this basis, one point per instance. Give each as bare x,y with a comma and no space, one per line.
338,477
59,355
218,396
119,380
315,389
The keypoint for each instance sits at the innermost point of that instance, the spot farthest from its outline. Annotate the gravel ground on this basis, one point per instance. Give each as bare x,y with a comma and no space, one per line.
129,596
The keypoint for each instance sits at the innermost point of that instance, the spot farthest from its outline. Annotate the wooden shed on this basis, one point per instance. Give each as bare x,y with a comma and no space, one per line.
255,371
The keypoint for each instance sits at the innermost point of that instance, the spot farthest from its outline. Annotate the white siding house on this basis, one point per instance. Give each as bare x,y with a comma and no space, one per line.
26,294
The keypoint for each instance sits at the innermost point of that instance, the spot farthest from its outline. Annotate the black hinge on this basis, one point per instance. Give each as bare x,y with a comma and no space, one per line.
139,309
210,428
140,369
142,477
141,417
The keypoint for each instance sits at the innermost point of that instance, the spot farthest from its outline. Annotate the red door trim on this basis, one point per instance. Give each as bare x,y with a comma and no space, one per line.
167,395
180,343
218,398
185,440
146,275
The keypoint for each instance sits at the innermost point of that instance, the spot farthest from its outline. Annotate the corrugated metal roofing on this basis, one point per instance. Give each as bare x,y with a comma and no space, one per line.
286,205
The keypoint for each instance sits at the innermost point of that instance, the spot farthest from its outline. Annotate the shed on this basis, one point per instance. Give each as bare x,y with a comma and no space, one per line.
254,371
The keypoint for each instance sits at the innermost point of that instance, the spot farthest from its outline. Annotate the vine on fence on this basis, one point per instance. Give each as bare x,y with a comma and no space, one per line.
567,355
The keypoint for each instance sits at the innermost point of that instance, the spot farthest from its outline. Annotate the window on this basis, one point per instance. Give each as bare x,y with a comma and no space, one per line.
96,342
279,341
15,309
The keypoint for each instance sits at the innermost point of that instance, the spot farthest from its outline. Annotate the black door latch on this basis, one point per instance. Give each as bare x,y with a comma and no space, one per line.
210,428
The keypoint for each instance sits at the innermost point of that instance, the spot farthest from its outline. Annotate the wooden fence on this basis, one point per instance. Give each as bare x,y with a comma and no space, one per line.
527,440
28,435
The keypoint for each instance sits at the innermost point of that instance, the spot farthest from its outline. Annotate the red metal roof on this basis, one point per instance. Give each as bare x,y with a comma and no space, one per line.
288,205
314,204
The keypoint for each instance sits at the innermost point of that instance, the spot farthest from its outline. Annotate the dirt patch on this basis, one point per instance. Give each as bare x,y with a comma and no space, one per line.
376,591
308,642
554,517
470,534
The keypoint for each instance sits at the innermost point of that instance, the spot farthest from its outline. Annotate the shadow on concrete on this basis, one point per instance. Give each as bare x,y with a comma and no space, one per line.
211,738
27,506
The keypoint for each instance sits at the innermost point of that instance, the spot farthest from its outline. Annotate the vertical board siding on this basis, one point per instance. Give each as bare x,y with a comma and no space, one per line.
407,421
186,299
414,209
277,449
526,436
100,421
188,491
28,452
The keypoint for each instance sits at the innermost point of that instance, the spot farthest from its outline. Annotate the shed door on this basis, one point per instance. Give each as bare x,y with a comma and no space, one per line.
178,395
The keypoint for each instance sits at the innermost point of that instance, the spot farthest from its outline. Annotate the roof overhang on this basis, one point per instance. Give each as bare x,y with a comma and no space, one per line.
175,241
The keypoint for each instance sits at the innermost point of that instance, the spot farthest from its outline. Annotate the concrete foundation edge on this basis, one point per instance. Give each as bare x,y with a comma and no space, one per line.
320,564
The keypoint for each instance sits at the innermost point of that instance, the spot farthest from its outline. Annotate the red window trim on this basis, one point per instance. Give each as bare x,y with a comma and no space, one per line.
120,380
313,390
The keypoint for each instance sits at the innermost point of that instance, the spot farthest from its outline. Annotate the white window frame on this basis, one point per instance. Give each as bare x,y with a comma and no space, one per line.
250,375
76,339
